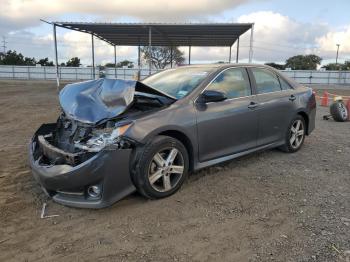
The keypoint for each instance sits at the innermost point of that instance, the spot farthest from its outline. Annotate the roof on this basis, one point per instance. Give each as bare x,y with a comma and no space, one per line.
134,34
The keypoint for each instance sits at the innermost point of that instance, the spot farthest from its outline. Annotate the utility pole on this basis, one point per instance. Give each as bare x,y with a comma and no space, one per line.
4,44
336,58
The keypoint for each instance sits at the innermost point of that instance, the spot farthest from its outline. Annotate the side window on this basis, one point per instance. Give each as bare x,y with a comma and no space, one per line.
284,84
233,82
266,82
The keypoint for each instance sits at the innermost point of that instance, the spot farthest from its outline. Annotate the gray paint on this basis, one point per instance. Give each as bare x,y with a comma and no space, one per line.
97,100
226,128
216,132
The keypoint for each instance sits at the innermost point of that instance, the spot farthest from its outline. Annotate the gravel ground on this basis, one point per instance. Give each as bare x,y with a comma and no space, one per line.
268,206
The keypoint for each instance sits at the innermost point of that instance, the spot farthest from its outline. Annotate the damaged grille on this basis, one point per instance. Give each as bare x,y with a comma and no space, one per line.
52,146
55,155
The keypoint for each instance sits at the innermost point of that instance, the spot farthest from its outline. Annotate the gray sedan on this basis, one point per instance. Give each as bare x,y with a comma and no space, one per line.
114,137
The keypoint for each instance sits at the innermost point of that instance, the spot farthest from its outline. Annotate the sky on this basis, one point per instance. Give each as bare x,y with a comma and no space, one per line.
282,28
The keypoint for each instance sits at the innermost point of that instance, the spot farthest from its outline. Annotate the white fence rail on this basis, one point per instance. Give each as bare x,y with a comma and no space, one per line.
67,73
319,77
86,73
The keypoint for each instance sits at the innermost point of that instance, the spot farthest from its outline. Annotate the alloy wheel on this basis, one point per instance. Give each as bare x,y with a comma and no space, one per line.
297,133
343,111
166,169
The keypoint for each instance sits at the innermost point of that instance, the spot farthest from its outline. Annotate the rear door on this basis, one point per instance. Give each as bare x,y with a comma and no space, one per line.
276,105
229,126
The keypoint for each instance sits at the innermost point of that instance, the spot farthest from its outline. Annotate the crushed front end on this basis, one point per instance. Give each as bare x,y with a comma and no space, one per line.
82,165
83,159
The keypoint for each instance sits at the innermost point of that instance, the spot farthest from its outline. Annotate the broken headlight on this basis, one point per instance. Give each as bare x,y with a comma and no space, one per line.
104,138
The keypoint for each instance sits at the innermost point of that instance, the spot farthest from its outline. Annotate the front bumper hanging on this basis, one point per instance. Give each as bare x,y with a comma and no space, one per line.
68,184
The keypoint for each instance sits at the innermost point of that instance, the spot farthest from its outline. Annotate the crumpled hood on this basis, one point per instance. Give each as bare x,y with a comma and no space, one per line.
96,100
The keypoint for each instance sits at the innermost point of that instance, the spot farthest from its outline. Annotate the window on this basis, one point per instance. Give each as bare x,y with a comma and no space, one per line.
284,84
233,82
178,82
266,82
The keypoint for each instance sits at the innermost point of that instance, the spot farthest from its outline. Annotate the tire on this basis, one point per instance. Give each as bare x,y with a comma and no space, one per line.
339,111
156,174
291,145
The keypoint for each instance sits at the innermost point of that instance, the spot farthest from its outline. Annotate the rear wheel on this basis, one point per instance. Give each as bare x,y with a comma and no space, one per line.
161,167
295,135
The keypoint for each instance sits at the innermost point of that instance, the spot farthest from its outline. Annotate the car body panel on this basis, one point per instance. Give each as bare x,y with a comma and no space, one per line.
228,119
67,184
213,132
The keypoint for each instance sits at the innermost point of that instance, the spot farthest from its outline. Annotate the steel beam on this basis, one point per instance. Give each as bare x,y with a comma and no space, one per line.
93,56
115,61
251,44
56,57
237,53
150,48
139,62
229,58
171,56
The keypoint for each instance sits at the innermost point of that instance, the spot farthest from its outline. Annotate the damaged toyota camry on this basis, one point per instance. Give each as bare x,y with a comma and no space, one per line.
114,137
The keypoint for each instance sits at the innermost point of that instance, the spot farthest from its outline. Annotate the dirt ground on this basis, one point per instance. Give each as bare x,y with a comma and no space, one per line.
268,206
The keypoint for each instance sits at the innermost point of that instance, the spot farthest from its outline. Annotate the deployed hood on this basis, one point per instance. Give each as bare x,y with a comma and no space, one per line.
96,100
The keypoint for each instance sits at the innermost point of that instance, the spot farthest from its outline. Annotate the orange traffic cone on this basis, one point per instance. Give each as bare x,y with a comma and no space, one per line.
324,100
348,108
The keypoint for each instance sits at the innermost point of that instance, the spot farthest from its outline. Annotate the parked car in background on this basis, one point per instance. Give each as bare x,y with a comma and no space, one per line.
114,137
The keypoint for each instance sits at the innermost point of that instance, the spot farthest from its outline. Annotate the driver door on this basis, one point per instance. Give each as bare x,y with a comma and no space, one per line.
228,126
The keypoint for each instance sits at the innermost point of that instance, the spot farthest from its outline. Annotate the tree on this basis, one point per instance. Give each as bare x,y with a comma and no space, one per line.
14,58
334,66
126,63
45,62
161,56
73,62
110,65
303,62
277,66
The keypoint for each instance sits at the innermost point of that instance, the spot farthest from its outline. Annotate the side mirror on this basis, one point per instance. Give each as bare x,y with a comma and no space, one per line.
211,96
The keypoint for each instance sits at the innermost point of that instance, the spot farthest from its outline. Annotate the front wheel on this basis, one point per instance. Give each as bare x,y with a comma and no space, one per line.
295,135
161,167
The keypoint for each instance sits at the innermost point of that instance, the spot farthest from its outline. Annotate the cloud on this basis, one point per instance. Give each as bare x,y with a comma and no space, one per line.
20,14
328,42
277,37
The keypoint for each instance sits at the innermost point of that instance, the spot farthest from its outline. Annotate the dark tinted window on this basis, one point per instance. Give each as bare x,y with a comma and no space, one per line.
284,84
266,81
233,82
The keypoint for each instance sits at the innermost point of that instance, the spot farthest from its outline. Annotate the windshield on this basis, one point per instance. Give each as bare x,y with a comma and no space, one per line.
178,82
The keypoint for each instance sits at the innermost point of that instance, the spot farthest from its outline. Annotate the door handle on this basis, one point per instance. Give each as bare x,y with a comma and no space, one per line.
292,98
252,105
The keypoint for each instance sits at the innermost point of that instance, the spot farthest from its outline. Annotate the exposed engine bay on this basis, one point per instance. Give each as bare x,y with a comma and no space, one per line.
71,141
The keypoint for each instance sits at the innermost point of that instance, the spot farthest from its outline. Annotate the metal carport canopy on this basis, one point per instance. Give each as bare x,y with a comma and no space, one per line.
158,34
135,34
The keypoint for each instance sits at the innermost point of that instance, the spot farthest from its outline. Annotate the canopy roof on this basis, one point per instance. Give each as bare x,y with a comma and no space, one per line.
134,34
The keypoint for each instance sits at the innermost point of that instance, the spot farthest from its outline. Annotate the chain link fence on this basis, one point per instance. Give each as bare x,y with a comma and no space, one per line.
86,73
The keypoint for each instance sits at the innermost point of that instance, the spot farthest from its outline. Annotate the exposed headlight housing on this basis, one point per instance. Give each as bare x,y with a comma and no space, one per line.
101,140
